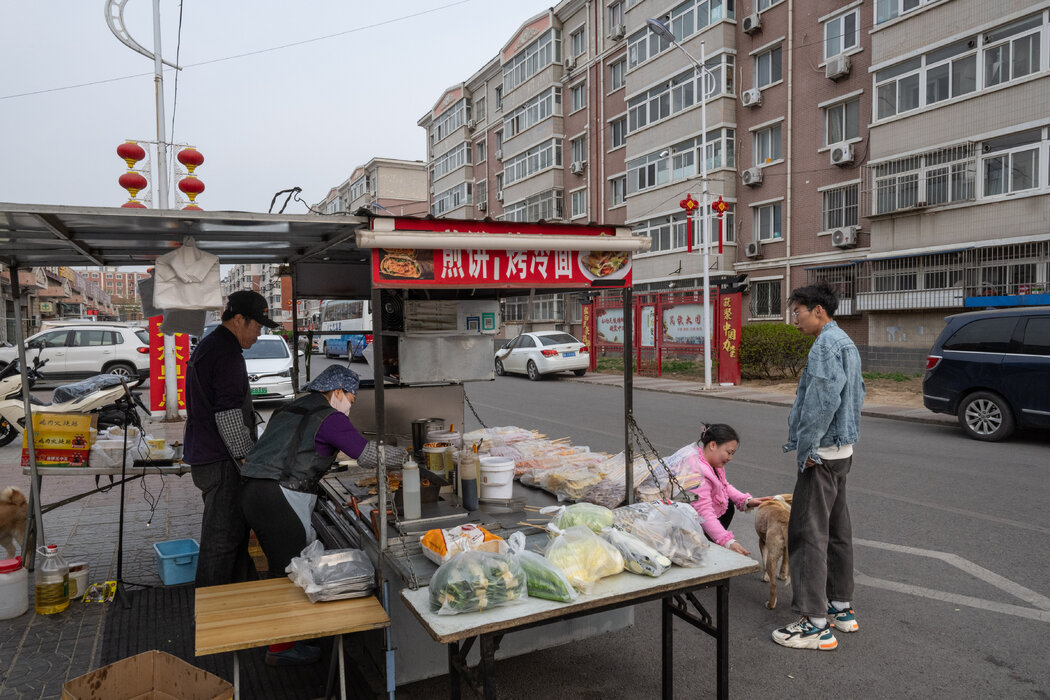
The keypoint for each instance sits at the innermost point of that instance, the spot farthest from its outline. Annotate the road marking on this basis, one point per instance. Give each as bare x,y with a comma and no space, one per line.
1004,608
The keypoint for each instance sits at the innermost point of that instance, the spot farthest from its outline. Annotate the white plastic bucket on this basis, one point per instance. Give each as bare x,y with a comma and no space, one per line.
497,477
14,588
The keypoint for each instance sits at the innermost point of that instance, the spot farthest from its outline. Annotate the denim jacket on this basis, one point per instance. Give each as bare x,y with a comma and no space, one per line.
829,398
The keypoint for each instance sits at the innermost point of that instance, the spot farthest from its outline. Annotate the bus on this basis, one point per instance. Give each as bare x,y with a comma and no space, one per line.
354,320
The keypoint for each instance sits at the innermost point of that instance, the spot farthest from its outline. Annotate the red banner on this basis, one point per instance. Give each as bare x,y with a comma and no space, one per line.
728,319
156,365
502,269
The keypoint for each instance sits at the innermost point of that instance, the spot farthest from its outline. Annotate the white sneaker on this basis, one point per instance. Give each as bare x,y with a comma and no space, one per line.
842,620
804,635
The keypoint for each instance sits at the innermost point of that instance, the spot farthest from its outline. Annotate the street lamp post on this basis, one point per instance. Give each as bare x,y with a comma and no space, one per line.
662,30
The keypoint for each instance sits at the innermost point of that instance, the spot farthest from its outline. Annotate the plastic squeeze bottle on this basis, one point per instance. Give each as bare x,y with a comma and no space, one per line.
410,489
52,582
468,468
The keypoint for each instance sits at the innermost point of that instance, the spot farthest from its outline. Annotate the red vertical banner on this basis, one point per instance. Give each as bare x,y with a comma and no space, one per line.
587,319
157,378
729,329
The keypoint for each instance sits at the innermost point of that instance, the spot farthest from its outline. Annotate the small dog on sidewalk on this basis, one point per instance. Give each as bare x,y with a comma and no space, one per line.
13,508
771,524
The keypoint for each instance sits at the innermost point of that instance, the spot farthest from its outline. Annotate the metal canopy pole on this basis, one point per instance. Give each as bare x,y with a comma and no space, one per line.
34,486
295,329
628,390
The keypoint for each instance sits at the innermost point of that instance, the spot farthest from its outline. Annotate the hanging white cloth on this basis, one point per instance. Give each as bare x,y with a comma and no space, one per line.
187,278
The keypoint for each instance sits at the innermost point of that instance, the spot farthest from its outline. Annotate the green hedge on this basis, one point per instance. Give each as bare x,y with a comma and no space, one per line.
772,350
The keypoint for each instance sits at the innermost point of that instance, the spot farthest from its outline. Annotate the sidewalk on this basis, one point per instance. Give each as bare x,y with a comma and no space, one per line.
40,653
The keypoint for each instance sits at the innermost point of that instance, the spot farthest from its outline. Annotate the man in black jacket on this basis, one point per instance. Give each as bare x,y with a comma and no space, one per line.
220,430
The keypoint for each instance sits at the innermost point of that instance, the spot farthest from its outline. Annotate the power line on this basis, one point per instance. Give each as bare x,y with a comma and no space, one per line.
175,98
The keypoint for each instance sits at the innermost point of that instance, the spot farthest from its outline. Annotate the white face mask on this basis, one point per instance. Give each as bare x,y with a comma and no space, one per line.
341,402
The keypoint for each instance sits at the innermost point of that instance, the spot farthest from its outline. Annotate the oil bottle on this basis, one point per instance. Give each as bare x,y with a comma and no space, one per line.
468,469
52,582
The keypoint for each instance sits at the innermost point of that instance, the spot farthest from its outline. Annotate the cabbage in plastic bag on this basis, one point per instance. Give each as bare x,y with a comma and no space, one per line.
587,514
639,557
584,557
544,578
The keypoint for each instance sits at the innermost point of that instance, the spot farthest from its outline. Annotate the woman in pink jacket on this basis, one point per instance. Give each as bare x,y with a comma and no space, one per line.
716,499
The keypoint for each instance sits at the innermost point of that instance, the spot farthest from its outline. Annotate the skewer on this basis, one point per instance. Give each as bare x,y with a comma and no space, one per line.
538,527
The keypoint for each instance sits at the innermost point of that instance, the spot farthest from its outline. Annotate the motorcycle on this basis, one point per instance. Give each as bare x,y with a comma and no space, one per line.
107,395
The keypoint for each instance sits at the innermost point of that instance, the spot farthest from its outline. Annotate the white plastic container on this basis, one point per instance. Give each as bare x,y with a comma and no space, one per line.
78,579
14,588
410,489
497,477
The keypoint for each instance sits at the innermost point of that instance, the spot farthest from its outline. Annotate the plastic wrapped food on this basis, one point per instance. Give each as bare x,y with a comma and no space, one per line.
638,557
568,483
545,580
659,485
673,529
332,575
584,557
476,581
595,517
441,545
611,491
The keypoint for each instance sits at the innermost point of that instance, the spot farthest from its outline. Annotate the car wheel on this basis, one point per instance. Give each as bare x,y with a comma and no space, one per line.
534,372
122,369
7,432
579,372
499,368
986,416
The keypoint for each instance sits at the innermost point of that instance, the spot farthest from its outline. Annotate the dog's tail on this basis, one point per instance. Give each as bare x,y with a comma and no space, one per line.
12,495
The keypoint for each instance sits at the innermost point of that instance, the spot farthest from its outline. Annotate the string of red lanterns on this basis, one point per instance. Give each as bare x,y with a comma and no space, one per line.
190,185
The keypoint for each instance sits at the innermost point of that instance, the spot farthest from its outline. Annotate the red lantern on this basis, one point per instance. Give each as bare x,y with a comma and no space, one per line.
192,207
131,152
191,158
191,187
132,204
132,182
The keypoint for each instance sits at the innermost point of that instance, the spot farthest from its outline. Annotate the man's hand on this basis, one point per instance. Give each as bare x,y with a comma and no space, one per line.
810,462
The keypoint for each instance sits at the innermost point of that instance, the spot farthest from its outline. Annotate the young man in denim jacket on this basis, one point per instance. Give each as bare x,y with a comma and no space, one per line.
823,426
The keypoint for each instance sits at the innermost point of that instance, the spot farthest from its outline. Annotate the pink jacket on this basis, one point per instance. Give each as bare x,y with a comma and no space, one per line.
713,495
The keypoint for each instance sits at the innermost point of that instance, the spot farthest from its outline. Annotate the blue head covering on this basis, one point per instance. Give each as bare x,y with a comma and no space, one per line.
335,377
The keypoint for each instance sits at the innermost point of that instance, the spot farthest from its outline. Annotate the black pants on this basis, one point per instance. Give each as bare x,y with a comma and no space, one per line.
279,529
224,554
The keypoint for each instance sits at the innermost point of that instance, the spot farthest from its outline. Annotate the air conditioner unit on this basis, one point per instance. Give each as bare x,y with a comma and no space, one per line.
471,124
752,250
618,32
837,67
499,154
578,166
499,195
842,154
752,23
845,237
752,177
570,63
482,206
751,98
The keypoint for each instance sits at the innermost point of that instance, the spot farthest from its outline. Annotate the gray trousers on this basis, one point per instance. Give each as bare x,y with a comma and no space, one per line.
820,538
224,554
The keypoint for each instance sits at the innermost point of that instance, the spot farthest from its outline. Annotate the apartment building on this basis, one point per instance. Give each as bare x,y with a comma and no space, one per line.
383,185
896,148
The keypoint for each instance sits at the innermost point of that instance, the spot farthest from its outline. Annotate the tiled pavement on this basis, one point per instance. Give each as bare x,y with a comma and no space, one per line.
39,653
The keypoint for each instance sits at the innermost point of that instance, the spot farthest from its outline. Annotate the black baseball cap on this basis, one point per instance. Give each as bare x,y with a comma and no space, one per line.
251,305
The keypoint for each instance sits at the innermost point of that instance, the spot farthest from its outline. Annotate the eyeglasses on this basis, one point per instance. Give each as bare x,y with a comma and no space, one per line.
794,315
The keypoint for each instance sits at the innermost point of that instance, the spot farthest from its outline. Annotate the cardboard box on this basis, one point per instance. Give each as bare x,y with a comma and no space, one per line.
151,675
60,439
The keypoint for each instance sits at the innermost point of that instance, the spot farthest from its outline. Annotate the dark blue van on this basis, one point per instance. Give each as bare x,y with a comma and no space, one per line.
992,370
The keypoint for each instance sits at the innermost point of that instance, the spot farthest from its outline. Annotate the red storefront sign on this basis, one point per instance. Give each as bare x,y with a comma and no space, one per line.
157,398
729,330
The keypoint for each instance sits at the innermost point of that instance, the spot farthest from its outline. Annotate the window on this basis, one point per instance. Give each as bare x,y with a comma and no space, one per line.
579,149
897,88
499,97
1011,163
842,122
482,152
530,61
545,205
536,159
577,42
458,196
943,176
886,10
479,109
453,118
687,19
765,298
54,339
617,74
840,207
728,230
499,141
1037,336
617,191
767,144
579,203
983,335
767,221
766,4
680,161
841,33
578,96
678,94
453,160
951,71
1012,51
617,15
481,192
665,232
617,132
544,105
767,67
647,172
82,339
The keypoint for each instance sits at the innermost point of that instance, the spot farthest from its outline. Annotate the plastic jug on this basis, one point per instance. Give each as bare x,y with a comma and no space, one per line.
468,478
14,593
410,489
52,581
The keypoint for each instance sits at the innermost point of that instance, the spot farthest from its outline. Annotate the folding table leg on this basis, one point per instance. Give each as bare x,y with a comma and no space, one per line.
342,666
488,666
722,640
236,677
667,647
453,671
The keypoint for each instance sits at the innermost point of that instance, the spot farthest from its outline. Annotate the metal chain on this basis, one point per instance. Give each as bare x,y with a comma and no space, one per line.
467,399
639,437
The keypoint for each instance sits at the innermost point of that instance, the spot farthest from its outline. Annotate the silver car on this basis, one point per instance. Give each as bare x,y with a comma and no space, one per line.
543,352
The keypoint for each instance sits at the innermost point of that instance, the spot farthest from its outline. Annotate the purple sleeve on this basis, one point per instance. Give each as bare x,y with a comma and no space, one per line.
338,434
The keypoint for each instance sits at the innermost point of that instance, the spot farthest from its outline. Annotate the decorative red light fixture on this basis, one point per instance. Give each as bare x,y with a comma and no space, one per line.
133,182
132,204
192,207
131,152
191,187
191,158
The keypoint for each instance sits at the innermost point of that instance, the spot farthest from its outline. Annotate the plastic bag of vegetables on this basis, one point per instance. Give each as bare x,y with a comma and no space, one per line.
545,580
583,556
587,514
476,581
673,529
639,557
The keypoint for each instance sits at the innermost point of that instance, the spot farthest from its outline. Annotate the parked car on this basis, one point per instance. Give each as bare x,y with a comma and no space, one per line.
992,370
543,352
84,350
269,364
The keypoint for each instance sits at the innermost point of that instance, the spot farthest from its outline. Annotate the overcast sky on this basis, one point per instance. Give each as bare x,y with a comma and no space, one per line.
304,115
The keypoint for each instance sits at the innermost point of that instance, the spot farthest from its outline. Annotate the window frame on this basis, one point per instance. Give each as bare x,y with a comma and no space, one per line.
764,294
767,131
578,41
841,17
776,212
769,52
844,106
578,197
578,89
846,212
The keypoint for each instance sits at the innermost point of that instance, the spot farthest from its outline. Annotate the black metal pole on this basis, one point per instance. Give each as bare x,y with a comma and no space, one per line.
667,647
34,491
722,640
295,331
628,389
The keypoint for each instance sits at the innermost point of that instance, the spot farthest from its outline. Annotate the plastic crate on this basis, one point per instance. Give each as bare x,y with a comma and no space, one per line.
177,561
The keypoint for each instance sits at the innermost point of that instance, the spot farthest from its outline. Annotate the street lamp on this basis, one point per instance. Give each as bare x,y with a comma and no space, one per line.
662,31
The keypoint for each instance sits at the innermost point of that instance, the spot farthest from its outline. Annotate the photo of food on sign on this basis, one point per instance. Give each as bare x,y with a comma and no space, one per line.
605,264
406,264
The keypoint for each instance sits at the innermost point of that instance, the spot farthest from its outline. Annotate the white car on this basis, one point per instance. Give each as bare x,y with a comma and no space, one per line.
269,364
84,350
543,352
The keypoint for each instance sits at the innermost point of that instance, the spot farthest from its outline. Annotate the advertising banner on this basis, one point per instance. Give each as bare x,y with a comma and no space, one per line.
683,324
60,439
608,325
156,365
647,327
729,329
